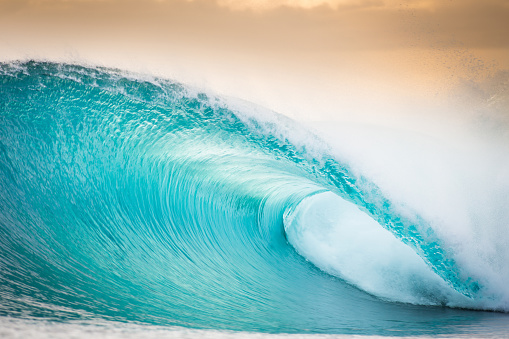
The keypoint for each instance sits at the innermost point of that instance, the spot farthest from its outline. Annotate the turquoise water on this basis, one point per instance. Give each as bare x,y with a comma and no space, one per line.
136,199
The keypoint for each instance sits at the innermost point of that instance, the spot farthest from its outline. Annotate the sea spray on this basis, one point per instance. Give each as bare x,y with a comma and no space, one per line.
137,199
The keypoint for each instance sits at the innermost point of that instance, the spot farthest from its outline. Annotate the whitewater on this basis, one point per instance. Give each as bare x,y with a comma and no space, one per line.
132,205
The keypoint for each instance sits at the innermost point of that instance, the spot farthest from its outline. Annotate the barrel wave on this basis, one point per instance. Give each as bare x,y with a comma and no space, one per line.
138,199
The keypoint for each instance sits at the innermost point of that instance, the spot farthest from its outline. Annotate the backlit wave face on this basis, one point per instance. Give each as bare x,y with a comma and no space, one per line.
136,199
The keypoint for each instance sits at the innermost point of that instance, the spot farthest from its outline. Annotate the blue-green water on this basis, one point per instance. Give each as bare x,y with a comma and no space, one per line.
137,199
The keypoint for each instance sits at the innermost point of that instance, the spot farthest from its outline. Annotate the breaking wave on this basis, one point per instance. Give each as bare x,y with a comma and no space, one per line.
133,198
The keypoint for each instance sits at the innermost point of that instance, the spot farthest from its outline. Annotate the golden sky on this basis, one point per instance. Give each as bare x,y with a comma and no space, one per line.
260,49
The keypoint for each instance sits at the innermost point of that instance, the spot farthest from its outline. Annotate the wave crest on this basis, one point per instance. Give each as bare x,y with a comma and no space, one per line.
139,199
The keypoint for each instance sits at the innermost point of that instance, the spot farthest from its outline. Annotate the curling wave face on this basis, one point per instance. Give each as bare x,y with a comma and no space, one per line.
138,199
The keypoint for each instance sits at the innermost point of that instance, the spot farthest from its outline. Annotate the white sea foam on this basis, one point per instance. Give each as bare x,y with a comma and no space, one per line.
452,168
13,328
342,240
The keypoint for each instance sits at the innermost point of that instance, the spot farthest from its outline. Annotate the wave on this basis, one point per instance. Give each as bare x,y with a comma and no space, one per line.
134,198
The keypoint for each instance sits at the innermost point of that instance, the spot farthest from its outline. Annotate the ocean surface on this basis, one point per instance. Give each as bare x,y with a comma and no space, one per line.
137,206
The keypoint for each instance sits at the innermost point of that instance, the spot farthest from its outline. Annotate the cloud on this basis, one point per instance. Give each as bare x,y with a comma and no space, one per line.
263,5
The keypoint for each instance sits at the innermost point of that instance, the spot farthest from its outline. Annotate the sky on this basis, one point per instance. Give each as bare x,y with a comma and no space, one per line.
354,54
